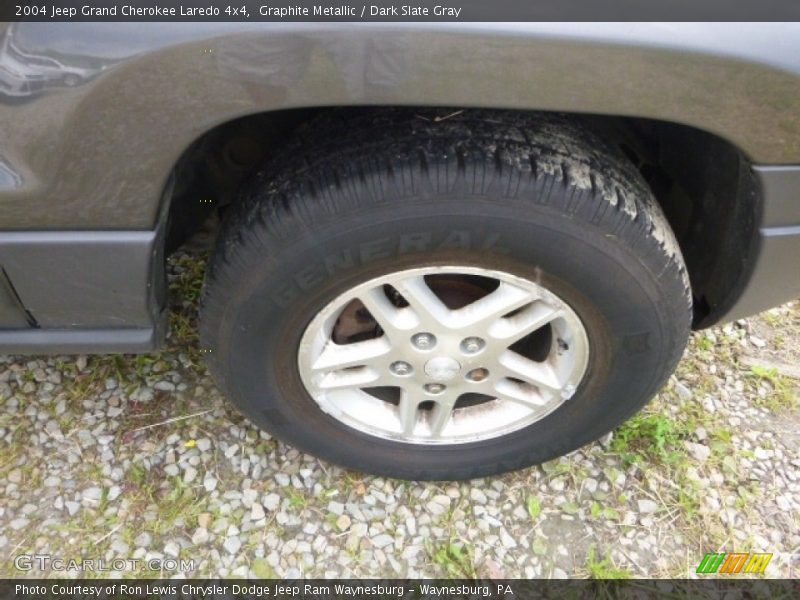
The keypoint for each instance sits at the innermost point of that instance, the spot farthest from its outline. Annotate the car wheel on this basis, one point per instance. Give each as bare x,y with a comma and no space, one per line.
444,298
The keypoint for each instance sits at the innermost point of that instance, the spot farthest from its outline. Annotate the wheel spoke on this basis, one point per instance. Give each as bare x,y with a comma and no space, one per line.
483,313
408,412
526,321
441,414
343,356
539,374
357,377
439,417
519,393
429,310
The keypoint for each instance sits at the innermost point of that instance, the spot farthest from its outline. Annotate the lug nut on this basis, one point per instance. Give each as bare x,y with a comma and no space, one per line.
434,388
478,374
424,341
472,345
400,368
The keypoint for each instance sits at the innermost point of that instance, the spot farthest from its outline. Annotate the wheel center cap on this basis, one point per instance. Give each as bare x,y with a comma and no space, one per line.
442,368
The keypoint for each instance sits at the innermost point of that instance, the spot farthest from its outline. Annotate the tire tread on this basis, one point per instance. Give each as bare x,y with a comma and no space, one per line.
345,159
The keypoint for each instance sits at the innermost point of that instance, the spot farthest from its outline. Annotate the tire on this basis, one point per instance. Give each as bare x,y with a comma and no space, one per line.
358,196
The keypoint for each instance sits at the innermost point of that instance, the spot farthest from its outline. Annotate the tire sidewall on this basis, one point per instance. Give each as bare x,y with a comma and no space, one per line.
632,327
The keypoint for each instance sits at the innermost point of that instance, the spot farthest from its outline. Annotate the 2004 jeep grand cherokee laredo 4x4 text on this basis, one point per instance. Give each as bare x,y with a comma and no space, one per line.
446,251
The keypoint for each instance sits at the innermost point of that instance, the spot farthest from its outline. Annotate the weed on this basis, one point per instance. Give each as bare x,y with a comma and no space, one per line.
138,474
604,568
297,500
783,395
652,437
456,558
705,343
534,507
689,498
262,569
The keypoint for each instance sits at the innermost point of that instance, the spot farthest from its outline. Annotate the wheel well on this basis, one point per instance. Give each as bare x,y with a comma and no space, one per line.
703,183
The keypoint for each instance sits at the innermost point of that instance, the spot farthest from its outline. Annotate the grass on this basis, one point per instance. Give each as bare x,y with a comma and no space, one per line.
534,507
652,447
604,568
456,558
262,569
189,283
704,343
780,396
297,500
650,437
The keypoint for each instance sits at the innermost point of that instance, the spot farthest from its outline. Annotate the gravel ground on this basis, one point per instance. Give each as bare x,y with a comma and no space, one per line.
141,457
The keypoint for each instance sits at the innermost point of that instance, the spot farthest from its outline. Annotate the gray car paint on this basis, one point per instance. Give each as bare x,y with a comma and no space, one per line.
93,154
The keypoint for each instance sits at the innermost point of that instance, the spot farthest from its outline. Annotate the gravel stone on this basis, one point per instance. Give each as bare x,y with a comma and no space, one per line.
19,523
381,541
506,539
698,451
232,544
189,474
439,505
114,492
92,495
248,497
257,512
762,454
683,391
272,501
476,495
343,522
200,536
647,506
